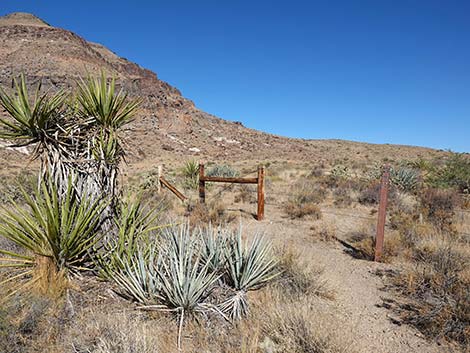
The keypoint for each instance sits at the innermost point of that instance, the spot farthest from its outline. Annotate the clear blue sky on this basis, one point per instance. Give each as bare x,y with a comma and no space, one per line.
380,71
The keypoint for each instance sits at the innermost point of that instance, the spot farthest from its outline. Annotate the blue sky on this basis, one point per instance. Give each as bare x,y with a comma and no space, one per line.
375,71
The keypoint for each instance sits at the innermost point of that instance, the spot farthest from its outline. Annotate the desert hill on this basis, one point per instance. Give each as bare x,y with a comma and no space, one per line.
169,125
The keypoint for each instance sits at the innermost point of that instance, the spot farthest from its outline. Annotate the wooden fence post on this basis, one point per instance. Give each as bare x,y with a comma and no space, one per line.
202,184
379,238
159,175
261,173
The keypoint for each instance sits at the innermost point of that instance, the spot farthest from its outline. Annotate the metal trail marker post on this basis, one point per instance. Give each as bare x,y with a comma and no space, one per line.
379,238
260,211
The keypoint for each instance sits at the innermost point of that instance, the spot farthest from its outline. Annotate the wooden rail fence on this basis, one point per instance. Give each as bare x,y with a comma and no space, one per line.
163,182
259,180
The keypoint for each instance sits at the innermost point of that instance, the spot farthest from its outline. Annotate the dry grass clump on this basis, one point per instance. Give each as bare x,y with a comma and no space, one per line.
300,327
437,288
439,207
277,323
213,212
299,278
246,194
324,231
116,332
30,322
303,200
342,195
363,243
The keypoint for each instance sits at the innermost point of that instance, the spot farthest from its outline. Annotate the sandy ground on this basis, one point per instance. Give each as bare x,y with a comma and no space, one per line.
358,290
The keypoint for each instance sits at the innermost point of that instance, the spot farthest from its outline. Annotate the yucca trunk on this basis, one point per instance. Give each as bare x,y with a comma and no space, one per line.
93,179
48,279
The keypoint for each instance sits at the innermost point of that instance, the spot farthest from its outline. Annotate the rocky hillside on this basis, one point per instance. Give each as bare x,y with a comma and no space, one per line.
169,125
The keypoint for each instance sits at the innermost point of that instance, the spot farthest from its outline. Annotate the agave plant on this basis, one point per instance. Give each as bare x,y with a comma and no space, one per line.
249,267
406,179
61,230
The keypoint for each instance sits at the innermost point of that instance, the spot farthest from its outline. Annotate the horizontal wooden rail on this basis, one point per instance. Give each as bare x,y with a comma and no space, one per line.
230,180
170,187
216,179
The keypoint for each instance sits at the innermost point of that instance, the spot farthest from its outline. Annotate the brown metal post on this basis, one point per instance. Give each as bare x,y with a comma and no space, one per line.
261,173
379,238
202,184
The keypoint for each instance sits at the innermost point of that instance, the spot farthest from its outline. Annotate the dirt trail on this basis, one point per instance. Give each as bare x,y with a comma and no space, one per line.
357,287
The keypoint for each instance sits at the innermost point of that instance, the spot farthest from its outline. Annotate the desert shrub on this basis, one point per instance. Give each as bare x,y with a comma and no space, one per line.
11,187
437,287
213,212
222,171
439,207
294,210
370,195
342,195
304,197
340,171
323,231
246,194
299,278
454,173
317,172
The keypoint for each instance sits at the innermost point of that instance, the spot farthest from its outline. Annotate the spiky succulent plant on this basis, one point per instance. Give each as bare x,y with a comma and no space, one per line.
61,229
248,267
406,179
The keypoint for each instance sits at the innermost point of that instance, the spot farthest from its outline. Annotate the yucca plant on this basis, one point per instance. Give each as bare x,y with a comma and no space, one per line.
99,100
76,138
248,267
137,275
33,120
61,231
214,242
170,276
135,225
190,173
186,281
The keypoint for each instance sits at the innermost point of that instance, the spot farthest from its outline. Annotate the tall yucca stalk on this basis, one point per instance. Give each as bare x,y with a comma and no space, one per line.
109,111
60,230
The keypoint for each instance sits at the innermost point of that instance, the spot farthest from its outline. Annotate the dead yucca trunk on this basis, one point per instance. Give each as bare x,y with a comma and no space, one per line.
47,278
